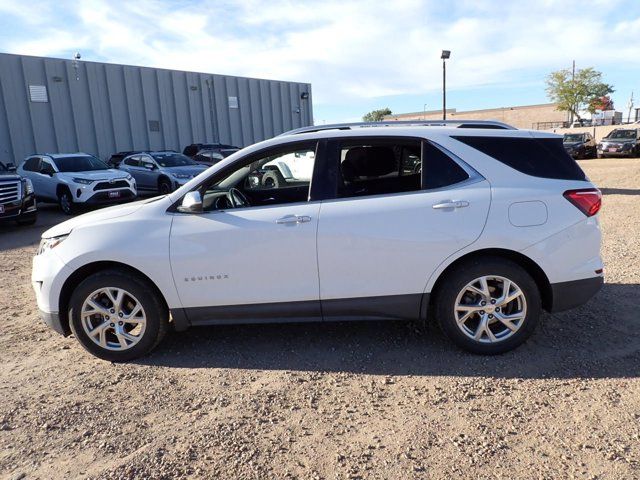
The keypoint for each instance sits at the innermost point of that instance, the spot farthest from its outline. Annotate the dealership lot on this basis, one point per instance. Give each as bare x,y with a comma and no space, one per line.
370,400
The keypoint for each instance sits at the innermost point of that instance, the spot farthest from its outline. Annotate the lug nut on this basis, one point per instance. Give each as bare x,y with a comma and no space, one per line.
497,309
481,312
120,314
112,311
112,325
493,301
483,303
120,323
490,316
106,317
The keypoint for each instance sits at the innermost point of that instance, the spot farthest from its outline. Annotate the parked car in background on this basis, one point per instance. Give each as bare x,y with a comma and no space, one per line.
17,200
73,179
622,142
117,158
161,172
193,149
580,145
497,226
211,157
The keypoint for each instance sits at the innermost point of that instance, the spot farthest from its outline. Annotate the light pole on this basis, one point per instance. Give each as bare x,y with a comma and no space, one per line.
445,55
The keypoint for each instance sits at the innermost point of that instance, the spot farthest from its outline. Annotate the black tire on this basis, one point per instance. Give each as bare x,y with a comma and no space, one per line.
65,200
164,186
273,179
157,315
457,279
28,219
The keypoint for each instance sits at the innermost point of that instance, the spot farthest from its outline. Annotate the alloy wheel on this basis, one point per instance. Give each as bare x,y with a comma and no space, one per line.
490,309
113,318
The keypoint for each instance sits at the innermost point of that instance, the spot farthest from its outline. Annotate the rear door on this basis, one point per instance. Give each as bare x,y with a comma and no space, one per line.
401,207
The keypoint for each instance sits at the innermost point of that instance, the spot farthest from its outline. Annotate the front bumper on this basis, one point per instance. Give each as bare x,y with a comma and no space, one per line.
102,198
568,295
14,210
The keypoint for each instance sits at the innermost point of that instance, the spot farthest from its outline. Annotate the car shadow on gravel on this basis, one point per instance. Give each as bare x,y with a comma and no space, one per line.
598,340
18,236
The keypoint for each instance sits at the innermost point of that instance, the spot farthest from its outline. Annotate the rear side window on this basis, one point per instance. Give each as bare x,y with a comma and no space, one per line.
378,167
31,164
539,157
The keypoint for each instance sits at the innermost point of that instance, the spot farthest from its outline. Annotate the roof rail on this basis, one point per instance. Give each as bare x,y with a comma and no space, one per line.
490,124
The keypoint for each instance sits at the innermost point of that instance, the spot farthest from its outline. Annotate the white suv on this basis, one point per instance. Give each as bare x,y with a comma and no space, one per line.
492,226
77,178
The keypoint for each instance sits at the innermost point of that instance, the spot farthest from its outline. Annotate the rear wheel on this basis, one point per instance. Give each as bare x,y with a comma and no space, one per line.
488,306
116,316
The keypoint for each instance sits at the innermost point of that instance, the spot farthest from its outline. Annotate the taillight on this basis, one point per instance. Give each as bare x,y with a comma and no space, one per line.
587,200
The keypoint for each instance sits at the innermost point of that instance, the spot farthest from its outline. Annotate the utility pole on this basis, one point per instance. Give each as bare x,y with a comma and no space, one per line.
573,87
445,55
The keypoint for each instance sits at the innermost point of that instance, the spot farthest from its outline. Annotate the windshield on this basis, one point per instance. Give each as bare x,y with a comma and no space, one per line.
572,138
172,159
627,134
84,163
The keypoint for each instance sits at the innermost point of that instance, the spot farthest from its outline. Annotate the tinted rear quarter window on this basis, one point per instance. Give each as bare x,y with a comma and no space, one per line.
439,169
539,157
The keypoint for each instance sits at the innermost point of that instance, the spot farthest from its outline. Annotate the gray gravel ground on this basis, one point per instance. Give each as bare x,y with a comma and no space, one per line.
332,401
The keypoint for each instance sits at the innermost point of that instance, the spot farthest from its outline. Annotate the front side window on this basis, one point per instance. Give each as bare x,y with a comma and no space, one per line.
84,163
132,161
280,177
47,168
622,135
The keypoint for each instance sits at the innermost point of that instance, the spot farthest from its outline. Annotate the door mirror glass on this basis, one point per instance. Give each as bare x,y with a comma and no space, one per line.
148,166
191,203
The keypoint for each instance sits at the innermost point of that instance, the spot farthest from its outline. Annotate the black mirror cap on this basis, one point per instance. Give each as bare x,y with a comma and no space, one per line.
11,167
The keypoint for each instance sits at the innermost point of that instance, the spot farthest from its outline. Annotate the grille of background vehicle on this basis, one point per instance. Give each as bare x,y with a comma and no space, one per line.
109,186
10,190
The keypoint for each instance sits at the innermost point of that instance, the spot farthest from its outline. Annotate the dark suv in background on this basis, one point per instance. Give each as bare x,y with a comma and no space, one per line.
580,145
620,143
17,201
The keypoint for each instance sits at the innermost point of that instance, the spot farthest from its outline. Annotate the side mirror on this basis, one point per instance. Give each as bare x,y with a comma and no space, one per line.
11,167
191,203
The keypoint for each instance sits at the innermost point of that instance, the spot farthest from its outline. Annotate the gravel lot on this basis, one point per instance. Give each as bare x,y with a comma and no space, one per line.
369,400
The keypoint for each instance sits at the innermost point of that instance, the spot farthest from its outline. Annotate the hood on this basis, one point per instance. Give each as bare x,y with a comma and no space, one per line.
187,169
9,175
96,174
96,216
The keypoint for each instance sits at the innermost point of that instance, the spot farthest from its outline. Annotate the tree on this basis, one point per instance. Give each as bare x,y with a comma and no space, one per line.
573,93
376,115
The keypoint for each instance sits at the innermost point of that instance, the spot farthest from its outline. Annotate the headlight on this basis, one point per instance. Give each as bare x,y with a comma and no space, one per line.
28,186
182,175
129,177
50,243
83,181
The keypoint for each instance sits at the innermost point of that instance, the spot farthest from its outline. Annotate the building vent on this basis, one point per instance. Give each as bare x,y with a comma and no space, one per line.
38,93
233,102
154,125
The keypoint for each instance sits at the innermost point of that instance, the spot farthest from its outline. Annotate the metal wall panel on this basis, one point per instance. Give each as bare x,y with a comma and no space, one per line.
102,108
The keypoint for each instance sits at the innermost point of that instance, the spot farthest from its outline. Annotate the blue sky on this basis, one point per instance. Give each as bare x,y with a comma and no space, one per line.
358,55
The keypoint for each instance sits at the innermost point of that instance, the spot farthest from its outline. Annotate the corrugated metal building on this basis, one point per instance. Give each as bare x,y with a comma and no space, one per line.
54,105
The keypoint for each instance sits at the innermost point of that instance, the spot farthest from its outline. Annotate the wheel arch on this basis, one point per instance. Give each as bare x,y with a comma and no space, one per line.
61,187
529,265
163,177
84,272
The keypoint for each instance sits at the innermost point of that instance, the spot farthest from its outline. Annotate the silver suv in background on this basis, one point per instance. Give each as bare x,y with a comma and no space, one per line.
161,172
71,179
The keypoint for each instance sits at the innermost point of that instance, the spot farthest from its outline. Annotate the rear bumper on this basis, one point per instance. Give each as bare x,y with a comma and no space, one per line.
53,321
567,295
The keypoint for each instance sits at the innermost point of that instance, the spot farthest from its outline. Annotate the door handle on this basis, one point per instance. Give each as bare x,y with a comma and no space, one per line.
451,204
293,219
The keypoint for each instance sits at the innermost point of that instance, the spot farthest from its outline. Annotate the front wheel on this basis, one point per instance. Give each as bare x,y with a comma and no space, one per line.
116,316
164,186
66,202
488,306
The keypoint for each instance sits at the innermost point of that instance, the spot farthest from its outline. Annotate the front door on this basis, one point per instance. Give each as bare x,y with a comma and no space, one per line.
251,255
404,206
